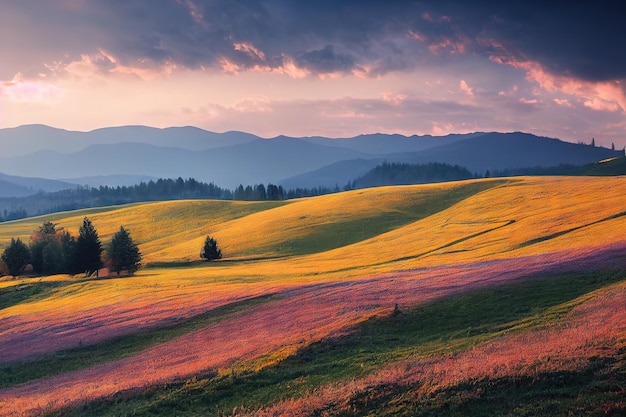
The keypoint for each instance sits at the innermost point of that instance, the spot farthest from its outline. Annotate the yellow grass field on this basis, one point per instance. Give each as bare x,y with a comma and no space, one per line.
327,263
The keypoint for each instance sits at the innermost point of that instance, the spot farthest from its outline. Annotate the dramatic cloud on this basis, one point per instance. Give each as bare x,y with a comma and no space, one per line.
322,36
509,55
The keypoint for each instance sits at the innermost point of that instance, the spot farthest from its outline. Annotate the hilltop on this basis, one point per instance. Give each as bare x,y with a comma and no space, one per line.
438,299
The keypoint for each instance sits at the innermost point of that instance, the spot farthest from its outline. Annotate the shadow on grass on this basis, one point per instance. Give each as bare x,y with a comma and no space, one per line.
573,229
435,327
24,292
593,390
203,264
79,358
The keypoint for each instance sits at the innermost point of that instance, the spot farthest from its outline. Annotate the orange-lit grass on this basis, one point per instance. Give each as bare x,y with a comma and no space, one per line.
477,228
302,315
530,216
496,223
154,226
88,311
501,221
549,214
594,329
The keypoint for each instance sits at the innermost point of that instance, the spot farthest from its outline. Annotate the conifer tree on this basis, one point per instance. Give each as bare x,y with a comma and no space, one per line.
44,236
16,256
68,249
123,254
52,259
210,251
88,249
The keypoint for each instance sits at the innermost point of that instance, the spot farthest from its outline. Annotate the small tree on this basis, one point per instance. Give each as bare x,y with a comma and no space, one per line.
16,256
88,249
68,249
46,235
210,251
52,259
123,254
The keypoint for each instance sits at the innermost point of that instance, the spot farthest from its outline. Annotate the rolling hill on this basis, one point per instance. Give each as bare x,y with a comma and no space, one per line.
484,297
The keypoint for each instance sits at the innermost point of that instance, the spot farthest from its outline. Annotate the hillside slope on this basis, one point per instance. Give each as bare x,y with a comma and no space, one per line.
303,302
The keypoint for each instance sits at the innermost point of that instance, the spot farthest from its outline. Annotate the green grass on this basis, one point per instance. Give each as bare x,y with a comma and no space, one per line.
594,390
78,358
439,326
616,166
16,294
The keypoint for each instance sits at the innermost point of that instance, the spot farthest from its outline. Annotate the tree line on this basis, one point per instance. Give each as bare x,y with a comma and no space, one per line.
14,214
174,189
403,174
53,250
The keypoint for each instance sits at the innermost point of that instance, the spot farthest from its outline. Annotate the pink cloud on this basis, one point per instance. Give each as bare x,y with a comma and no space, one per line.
451,46
600,95
393,99
103,63
22,91
562,102
440,129
288,67
466,88
229,67
601,105
194,11
418,36
531,101
254,105
250,50
436,19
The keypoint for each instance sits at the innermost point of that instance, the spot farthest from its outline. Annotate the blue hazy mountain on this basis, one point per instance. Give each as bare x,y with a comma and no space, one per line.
233,158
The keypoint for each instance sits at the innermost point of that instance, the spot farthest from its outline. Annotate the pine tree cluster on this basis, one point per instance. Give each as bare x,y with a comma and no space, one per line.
52,250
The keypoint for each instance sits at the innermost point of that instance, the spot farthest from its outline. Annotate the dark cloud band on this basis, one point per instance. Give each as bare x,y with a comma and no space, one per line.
581,40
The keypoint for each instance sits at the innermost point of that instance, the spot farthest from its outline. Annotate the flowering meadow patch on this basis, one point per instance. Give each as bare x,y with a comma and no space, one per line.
324,266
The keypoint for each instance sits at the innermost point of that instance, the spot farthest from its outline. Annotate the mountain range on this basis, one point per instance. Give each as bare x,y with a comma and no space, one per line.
130,154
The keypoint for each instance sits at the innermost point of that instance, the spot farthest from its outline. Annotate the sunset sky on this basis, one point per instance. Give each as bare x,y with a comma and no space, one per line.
332,68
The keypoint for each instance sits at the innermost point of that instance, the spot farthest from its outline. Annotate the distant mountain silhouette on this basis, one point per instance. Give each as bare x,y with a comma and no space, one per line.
109,180
15,186
233,158
259,161
337,174
32,138
382,144
478,153
511,150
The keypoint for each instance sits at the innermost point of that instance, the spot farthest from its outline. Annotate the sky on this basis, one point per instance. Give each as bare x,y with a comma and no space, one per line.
305,68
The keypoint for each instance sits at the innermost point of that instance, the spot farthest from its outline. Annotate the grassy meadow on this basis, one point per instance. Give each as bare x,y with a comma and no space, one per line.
481,297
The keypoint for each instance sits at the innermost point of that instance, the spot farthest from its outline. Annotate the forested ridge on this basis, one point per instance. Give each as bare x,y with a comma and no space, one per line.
13,208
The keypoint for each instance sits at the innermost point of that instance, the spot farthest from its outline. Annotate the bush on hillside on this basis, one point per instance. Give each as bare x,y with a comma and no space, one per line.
210,250
16,256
